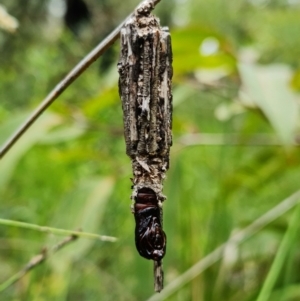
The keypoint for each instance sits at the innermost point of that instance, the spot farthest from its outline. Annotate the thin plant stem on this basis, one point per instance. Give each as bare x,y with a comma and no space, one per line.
68,80
236,239
290,235
35,261
232,139
56,231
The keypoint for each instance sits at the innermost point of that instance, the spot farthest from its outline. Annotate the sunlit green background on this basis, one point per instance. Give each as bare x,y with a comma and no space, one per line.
234,156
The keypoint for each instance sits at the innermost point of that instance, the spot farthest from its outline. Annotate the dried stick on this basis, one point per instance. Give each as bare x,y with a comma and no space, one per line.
68,80
236,239
37,260
56,231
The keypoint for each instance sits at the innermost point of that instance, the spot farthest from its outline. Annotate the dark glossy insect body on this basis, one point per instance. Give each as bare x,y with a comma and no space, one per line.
150,239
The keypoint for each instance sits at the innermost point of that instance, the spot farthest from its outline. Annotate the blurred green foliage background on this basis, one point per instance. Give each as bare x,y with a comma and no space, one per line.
234,157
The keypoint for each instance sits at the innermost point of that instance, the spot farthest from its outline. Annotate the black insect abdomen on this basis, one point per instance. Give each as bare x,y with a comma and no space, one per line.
150,239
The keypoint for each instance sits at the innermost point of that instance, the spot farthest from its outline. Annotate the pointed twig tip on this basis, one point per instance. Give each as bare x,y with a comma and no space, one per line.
158,276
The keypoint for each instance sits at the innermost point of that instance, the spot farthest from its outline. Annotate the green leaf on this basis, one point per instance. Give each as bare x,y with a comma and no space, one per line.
274,272
63,134
85,213
32,136
287,293
186,46
267,86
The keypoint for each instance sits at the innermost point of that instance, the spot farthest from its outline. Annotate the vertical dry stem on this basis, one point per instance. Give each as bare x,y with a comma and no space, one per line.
145,68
